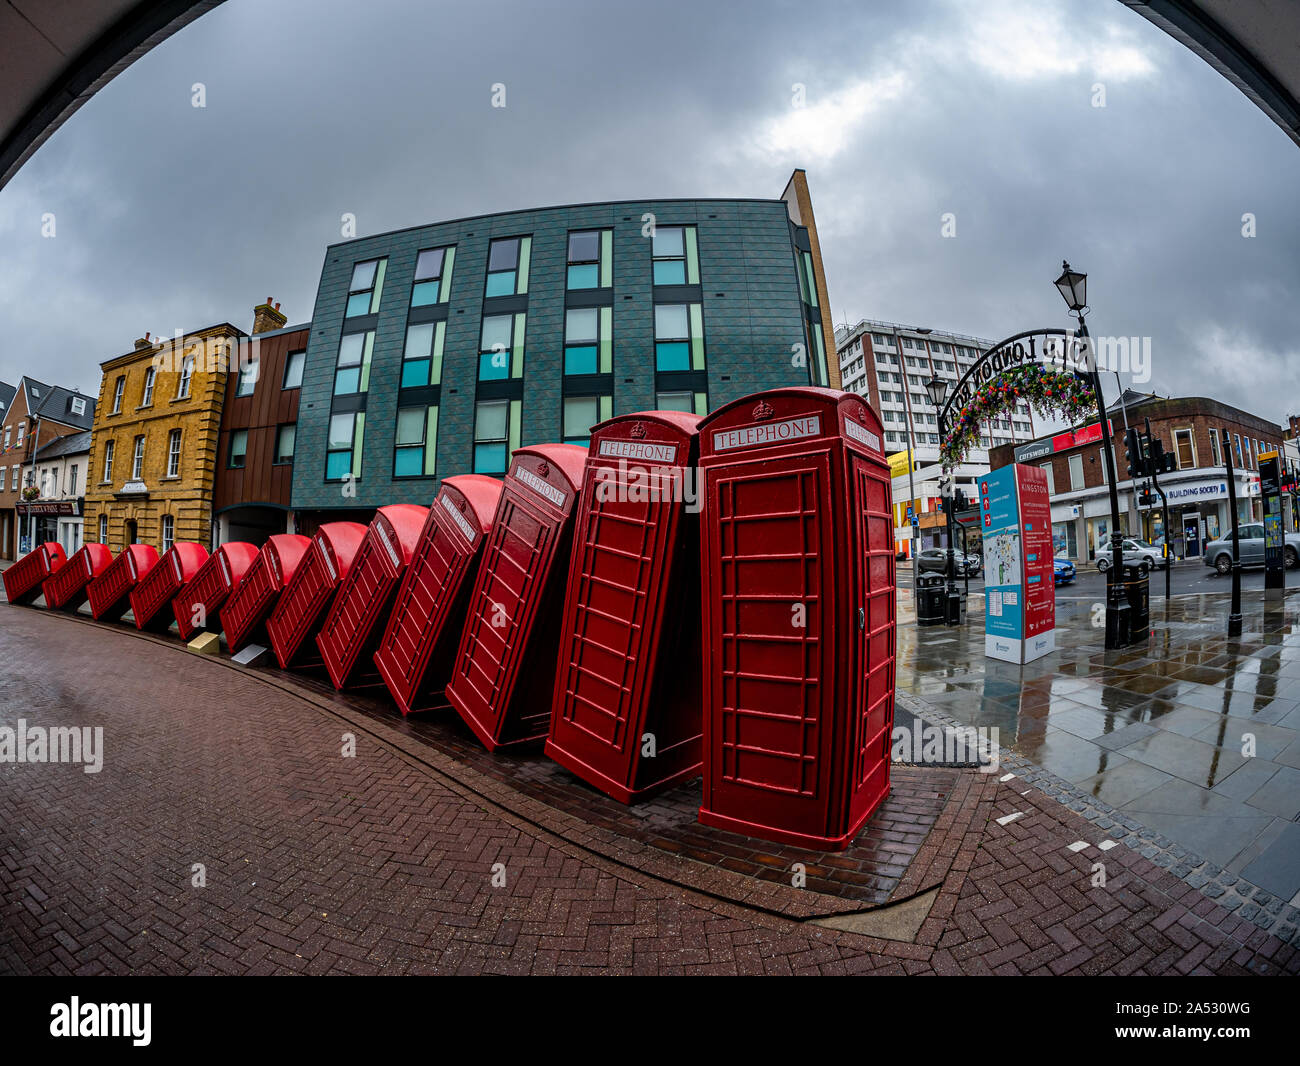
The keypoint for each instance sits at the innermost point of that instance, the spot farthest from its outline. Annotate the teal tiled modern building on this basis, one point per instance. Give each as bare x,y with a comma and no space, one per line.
439,349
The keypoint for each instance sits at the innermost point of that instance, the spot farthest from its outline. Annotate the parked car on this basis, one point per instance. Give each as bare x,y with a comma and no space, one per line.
1218,553
1063,571
935,560
1136,553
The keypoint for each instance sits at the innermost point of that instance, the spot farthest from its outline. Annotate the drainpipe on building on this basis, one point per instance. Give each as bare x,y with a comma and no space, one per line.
31,518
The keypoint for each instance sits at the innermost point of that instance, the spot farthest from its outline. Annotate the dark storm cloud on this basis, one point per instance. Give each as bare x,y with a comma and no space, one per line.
171,217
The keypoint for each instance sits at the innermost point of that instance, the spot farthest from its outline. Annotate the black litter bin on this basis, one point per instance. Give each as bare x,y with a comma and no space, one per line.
1137,590
929,600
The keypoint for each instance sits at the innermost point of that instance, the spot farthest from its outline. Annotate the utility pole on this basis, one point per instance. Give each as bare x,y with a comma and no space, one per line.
1234,616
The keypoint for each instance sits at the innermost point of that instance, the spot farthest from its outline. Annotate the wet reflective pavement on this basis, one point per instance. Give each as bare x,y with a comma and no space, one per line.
1194,735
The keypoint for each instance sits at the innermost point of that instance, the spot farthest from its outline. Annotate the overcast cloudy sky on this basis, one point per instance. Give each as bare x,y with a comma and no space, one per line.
174,217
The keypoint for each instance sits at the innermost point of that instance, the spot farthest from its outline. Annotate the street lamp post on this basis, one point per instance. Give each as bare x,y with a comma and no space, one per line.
1072,286
938,390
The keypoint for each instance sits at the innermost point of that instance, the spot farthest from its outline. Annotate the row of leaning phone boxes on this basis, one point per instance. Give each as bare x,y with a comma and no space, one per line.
686,595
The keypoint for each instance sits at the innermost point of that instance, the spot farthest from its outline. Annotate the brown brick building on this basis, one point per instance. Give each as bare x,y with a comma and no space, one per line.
153,452
32,414
258,429
1197,430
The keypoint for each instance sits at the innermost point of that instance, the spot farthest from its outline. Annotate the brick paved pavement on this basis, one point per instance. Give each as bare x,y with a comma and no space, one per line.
382,863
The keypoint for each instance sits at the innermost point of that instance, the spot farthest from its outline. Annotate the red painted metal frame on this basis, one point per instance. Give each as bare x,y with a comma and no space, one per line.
418,647
65,589
23,581
626,714
211,587
355,622
110,592
504,672
152,597
301,607
799,616
244,614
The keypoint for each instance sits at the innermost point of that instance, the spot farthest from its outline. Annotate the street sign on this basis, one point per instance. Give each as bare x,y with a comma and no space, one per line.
1270,486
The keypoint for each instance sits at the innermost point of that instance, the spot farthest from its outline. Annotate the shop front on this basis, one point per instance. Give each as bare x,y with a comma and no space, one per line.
50,520
1198,513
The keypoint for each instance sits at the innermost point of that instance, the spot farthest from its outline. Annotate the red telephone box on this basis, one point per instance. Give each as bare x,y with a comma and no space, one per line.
195,606
355,621
505,666
301,608
110,592
798,576
65,589
418,647
152,596
23,580
244,614
626,715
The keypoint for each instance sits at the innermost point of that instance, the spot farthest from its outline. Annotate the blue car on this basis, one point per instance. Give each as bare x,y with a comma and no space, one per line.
1063,570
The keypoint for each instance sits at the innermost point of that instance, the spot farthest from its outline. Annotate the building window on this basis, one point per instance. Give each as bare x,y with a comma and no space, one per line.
137,460
415,442
679,337
422,356
676,260
1249,458
13,479
22,433
1046,468
238,454
590,259
689,402
588,347
352,374
149,375
78,405
285,437
1185,449
1236,443
174,453
583,412
247,378
108,461
293,370
508,266
1076,473
168,532
7,430
432,283
1216,453
366,287
118,389
501,347
72,480
492,434
187,375
343,454
103,529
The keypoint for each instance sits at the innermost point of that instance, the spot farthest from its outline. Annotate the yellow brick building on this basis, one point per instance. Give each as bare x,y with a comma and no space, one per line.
153,450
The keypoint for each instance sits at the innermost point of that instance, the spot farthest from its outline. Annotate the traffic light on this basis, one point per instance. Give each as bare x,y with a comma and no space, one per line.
959,501
1162,462
1133,453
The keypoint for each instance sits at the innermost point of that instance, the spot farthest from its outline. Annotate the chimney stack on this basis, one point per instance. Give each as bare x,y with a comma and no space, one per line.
267,318
143,342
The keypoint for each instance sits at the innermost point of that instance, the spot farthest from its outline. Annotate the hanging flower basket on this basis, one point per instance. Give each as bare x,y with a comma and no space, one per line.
1049,393
31,492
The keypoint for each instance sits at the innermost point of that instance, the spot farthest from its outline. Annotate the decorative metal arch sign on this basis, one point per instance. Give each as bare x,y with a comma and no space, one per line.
1057,351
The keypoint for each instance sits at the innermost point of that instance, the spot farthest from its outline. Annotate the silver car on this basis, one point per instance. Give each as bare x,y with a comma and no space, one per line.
1218,553
1136,553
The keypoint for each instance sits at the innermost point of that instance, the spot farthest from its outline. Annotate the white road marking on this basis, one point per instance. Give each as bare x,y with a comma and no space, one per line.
1006,777
1078,845
1011,817
1106,845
